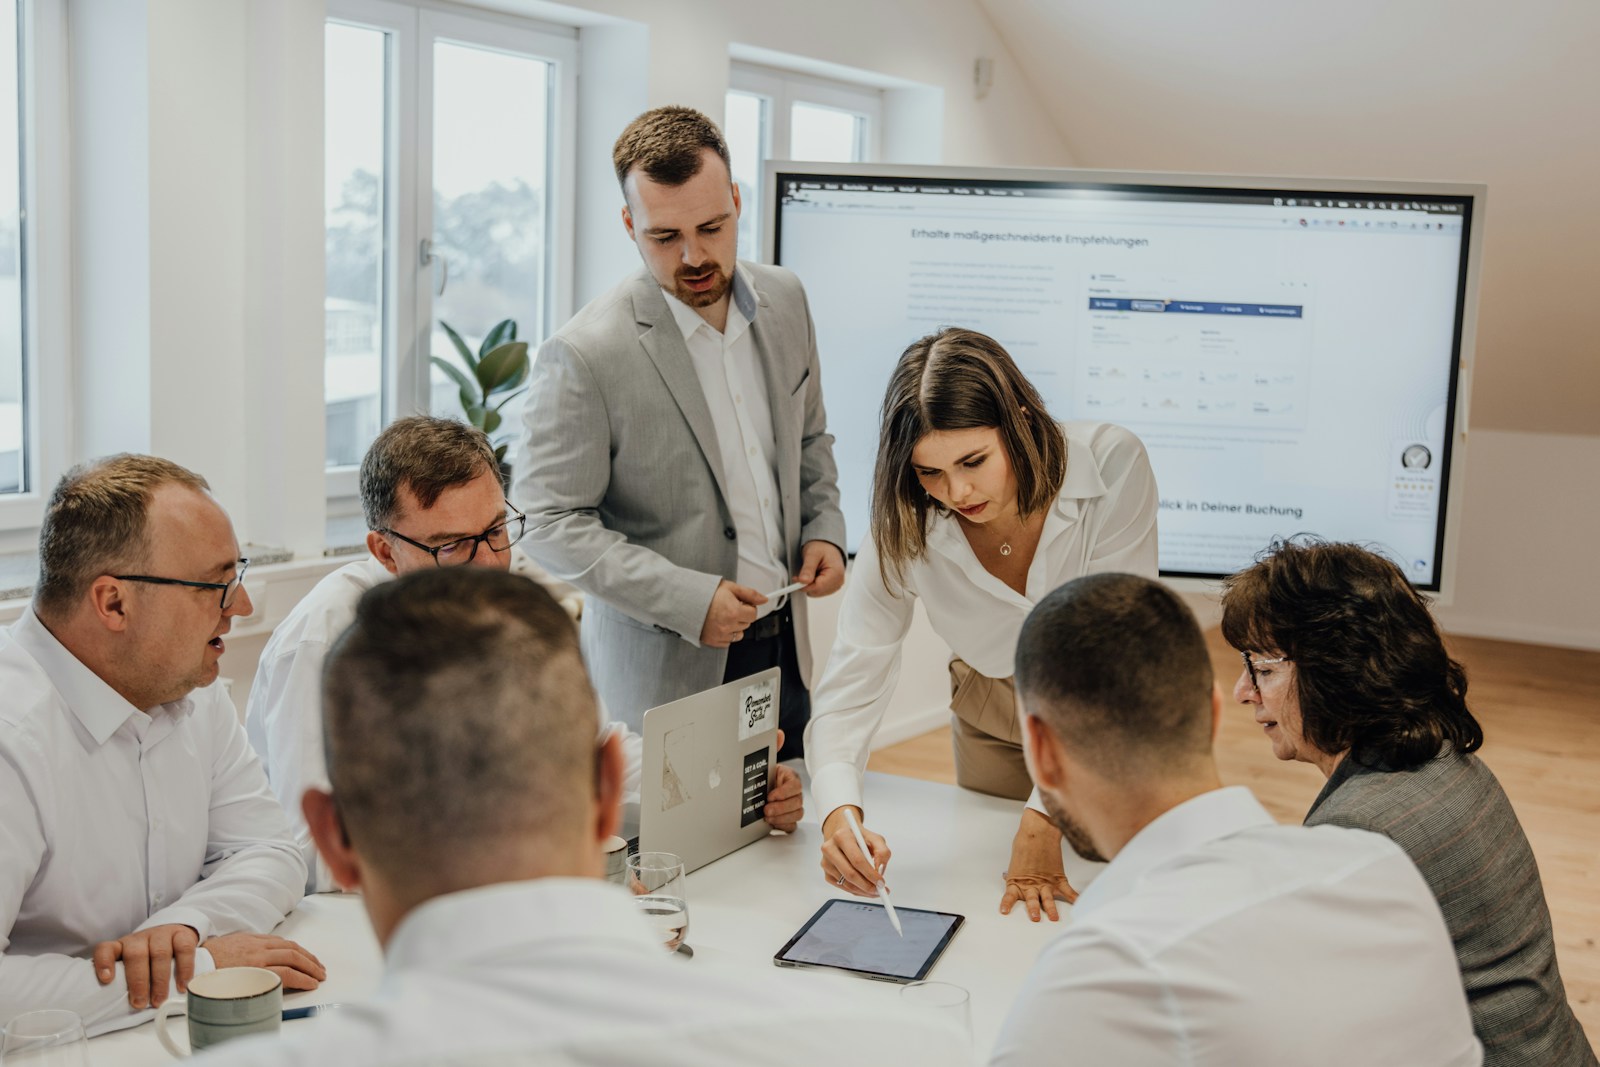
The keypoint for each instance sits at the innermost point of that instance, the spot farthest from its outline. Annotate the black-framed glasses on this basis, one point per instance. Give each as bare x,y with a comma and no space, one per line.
1250,665
464,550
230,588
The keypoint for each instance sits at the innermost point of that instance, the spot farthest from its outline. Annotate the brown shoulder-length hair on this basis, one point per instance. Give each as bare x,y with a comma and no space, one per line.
956,380
1371,672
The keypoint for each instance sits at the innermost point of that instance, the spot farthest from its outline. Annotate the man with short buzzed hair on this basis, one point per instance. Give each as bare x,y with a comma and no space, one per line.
139,844
1214,936
469,805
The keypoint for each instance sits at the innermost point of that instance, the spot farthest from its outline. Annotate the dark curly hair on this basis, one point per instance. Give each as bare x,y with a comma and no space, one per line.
1371,672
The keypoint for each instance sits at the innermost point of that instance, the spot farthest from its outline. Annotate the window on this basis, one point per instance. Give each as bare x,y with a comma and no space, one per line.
35,327
490,192
13,274
358,296
773,114
449,153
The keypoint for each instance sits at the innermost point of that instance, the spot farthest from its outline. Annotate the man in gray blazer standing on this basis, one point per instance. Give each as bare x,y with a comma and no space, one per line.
675,462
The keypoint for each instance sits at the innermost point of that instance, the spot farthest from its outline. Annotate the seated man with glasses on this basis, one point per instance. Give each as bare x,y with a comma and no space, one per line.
139,844
431,493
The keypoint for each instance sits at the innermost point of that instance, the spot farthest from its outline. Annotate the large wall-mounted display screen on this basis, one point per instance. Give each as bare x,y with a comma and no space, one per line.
1290,356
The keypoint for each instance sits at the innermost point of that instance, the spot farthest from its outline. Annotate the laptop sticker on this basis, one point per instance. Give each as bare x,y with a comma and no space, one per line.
677,765
755,787
758,708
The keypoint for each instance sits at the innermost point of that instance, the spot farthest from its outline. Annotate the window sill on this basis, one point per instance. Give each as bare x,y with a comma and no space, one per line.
276,583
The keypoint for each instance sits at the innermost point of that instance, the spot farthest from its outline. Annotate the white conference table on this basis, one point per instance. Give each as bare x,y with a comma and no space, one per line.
950,847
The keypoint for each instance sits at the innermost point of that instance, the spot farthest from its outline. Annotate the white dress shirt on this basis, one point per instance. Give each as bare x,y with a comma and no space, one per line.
735,388
1103,519
283,715
1216,937
567,971
113,820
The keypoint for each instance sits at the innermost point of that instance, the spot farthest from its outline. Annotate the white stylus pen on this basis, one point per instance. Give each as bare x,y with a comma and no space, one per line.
883,890
786,590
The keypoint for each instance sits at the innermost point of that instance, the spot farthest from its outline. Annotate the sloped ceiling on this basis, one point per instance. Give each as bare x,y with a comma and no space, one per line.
1499,93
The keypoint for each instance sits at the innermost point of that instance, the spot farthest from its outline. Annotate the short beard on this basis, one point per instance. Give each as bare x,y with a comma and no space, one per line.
1072,830
690,298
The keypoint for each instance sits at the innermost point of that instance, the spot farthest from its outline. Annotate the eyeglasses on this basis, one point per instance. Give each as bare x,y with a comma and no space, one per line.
464,550
1250,665
230,588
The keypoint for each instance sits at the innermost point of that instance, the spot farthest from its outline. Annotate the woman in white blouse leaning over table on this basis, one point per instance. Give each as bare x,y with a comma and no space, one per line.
981,505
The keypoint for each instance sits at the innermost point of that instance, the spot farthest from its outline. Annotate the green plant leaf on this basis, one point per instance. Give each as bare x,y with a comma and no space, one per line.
491,421
503,331
520,377
468,387
500,453
461,346
475,414
503,368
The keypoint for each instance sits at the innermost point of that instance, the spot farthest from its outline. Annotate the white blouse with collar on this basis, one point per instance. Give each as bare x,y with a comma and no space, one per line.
1103,520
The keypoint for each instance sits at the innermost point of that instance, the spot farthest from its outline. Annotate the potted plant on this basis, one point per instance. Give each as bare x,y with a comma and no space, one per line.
494,375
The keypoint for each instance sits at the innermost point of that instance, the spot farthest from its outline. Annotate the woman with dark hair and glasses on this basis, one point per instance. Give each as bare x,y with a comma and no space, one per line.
1346,670
981,505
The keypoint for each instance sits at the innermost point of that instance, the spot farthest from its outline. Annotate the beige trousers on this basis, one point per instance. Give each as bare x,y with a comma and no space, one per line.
986,734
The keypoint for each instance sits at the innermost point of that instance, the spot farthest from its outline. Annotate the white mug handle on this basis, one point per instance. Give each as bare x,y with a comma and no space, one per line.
161,1029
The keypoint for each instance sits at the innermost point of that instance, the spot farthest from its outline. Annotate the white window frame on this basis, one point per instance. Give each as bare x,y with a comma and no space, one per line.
783,89
409,285
46,243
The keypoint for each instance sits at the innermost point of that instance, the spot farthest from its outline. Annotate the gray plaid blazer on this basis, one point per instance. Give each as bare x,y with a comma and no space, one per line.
1456,823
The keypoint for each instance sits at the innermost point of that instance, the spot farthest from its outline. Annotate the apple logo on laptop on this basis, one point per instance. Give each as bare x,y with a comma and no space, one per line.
714,779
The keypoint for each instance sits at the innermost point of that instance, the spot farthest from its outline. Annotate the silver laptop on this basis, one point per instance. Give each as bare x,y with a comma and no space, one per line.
708,759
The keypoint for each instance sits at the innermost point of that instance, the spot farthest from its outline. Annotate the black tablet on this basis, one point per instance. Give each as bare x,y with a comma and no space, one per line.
856,936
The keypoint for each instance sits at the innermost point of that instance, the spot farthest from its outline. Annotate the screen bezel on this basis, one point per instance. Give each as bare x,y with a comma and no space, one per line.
1464,330
780,958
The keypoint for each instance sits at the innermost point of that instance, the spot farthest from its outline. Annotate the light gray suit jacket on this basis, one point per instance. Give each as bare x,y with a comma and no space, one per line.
619,472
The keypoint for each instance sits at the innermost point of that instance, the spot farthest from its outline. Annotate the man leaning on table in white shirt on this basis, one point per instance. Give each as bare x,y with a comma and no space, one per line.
138,841
469,804
431,493
1215,936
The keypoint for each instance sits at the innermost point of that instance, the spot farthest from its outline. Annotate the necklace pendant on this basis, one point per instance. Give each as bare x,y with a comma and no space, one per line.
1005,548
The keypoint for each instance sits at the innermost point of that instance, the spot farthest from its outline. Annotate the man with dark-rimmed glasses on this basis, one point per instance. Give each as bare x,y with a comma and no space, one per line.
431,494
432,497
139,844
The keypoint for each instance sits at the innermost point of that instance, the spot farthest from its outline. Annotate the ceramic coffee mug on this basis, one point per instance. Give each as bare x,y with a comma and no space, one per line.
225,1004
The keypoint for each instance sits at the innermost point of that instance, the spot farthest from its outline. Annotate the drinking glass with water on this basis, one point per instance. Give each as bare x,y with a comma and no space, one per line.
48,1038
657,881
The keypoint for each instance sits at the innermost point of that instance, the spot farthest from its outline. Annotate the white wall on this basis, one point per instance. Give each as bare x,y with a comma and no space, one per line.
923,42
197,288
1530,540
646,53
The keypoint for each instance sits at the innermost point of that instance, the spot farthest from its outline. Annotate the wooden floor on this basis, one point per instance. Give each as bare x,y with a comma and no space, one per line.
1540,709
